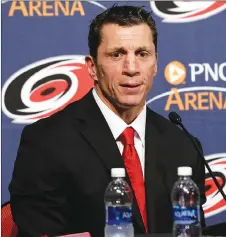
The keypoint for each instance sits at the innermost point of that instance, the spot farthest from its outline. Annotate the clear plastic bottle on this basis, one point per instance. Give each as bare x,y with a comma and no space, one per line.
186,205
118,204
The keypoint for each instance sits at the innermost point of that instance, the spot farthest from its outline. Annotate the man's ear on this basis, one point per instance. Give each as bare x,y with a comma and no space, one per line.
91,67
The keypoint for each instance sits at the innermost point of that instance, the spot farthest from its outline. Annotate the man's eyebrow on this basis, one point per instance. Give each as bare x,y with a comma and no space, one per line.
122,49
144,48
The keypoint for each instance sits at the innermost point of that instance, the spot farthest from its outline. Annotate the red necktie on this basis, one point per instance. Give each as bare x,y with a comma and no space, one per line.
134,170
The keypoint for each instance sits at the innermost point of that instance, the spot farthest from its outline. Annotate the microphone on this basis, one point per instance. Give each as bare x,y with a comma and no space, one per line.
176,119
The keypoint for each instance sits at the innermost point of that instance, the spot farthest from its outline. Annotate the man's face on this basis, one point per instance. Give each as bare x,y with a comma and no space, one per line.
126,65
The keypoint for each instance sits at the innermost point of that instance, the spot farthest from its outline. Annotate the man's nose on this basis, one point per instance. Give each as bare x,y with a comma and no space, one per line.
131,67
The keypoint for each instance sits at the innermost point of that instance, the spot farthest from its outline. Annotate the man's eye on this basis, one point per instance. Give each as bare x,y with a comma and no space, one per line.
116,54
143,54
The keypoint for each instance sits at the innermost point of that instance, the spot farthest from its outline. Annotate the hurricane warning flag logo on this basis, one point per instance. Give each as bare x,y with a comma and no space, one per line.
186,11
215,203
45,87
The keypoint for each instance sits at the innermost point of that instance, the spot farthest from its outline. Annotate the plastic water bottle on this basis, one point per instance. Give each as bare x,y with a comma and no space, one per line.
118,204
186,205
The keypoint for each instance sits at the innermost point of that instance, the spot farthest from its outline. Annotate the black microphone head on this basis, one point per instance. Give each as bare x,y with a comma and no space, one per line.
175,118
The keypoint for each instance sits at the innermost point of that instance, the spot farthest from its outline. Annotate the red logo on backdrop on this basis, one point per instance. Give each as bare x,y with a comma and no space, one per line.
215,203
186,11
45,87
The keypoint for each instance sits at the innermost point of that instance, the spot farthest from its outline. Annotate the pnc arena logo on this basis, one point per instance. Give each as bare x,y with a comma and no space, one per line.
45,87
46,8
185,97
186,11
215,203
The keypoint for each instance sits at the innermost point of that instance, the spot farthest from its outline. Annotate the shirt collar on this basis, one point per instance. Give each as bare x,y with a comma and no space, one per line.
117,125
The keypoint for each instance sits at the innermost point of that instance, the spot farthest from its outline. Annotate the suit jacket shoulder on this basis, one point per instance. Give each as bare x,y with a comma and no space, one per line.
172,133
61,120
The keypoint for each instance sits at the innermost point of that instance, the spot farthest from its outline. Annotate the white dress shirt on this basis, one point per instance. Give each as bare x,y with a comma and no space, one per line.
117,126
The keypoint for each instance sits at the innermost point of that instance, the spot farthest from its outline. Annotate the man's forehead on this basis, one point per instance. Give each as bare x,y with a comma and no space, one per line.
120,36
115,28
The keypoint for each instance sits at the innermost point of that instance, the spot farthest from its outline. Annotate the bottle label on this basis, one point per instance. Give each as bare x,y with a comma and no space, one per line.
118,215
185,216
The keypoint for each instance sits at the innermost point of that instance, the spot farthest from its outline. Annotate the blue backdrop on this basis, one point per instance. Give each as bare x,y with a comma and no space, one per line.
43,48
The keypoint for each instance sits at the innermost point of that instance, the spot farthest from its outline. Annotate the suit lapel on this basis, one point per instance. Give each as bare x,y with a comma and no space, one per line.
153,156
98,134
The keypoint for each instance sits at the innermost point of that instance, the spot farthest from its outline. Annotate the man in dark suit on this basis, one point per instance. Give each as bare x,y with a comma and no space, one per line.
64,161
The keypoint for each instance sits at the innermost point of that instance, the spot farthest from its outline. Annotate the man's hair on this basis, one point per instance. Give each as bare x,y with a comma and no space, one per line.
120,15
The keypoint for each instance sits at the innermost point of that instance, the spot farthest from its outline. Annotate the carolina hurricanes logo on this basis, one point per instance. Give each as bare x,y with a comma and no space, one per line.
186,11
44,87
215,202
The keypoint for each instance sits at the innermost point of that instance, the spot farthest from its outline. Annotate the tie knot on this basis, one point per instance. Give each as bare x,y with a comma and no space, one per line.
127,136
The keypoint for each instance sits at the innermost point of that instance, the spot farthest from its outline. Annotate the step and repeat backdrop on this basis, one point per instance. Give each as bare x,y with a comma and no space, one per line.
43,48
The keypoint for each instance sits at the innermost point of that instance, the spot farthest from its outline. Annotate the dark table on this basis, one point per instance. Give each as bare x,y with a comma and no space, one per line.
218,230
170,235
215,230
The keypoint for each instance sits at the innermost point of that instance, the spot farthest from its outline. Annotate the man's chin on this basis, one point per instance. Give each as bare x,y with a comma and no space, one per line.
130,104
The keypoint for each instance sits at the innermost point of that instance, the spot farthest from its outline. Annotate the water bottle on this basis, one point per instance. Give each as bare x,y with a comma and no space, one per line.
118,205
186,205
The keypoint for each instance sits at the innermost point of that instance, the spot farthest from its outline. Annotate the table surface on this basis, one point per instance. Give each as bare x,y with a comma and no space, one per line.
218,230
168,235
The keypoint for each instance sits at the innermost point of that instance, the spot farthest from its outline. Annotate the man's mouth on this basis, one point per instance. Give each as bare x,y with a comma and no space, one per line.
130,85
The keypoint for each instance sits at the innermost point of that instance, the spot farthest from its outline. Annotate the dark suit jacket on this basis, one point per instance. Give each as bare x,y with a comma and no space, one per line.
63,168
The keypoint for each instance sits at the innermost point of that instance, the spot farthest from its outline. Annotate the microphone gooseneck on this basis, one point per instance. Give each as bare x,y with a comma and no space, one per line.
176,119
